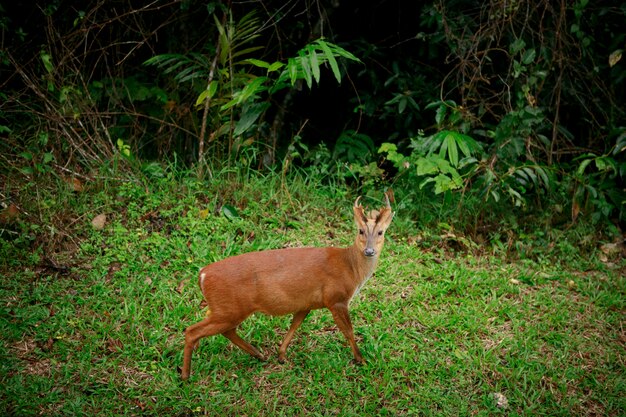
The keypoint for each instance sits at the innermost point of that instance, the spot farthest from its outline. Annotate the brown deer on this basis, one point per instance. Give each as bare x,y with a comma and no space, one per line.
292,280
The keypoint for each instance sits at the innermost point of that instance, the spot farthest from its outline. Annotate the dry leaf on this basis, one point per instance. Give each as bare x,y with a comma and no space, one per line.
575,210
99,221
9,214
113,268
611,249
615,57
114,345
500,399
47,345
77,185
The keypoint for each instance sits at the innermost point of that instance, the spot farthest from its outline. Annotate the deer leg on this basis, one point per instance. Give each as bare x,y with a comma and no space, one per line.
342,318
298,318
242,344
207,327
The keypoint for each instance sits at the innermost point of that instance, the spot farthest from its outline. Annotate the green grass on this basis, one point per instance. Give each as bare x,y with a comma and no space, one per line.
441,331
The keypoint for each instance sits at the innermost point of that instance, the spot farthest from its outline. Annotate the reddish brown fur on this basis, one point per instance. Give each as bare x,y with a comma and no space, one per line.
283,281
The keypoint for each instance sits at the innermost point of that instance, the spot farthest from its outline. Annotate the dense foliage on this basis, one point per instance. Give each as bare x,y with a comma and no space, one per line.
495,114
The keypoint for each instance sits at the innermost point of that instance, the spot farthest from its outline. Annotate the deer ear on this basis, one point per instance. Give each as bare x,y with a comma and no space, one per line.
384,217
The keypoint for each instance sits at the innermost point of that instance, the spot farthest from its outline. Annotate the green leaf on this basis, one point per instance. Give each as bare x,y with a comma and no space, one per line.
230,212
583,165
426,181
466,143
26,155
402,105
212,88
248,117
306,68
529,56
202,97
620,144
153,169
256,63
208,93
425,166
246,51
387,147
515,196
444,166
339,51
253,87
331,59
592,191
528,171
517,46
315,67
46,59
445,183
444,145
440,115
292,68
544,176
606,164
453,152
413,103
223,41
275,66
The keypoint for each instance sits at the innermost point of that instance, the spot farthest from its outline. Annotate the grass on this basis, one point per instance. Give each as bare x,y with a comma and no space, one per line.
95,326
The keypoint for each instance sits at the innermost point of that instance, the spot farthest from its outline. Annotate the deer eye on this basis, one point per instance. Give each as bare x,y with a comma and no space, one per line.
361,232
380,233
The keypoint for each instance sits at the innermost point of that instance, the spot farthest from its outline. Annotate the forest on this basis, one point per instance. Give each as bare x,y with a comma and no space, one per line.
143,140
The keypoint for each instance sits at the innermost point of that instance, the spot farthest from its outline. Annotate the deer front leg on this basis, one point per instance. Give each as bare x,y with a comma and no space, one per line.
342,318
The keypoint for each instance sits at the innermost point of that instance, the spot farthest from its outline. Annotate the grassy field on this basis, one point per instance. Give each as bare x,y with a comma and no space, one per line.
96,326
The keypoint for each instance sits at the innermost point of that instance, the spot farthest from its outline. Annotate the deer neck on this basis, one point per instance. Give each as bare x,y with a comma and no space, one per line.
363,266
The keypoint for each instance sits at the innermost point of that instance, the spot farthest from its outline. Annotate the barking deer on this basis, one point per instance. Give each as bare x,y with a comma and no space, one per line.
293,280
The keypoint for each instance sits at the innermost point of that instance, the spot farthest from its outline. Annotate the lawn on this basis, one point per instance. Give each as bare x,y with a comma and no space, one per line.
95,327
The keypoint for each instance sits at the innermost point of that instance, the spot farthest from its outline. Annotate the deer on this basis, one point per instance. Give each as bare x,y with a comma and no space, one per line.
290,280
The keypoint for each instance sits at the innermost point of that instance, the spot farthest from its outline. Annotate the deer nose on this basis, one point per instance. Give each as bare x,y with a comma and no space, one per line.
369,252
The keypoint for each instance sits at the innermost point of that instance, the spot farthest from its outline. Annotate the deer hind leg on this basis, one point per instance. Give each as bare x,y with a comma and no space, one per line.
232,335
342,318
298,318
207,327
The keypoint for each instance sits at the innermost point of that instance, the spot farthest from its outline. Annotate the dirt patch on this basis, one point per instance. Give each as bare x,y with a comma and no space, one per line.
497,335
25,350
